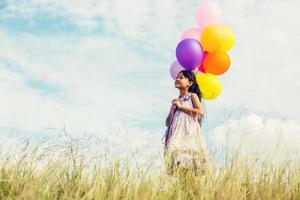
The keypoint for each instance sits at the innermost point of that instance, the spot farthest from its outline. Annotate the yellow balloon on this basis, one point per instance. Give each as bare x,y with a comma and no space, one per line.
209,84
229,39
213,37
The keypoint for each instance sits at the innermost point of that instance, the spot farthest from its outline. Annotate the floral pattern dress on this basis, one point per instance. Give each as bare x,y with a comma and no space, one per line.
185,146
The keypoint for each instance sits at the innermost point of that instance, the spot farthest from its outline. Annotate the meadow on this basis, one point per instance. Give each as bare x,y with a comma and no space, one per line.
49,170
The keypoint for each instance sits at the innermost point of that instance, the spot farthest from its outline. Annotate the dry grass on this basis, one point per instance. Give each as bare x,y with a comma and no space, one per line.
34,172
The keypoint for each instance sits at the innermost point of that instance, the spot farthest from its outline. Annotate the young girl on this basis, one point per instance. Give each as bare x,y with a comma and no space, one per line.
184,141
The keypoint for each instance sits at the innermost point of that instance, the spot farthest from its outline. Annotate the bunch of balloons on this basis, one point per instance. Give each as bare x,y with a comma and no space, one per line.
203,50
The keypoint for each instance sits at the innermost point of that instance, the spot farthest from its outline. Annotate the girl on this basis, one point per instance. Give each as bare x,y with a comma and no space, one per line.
184,141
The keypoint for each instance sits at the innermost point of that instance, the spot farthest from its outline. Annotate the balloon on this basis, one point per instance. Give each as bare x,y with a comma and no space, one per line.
201,69
208,13
216,63
196,70
175,69
229,39
193,33
213,38
189,53
209,84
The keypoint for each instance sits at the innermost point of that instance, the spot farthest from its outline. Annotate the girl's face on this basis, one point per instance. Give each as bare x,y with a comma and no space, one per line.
181,82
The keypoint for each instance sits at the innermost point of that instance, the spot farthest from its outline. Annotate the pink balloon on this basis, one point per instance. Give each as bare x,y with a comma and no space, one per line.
194,33
208,13
196,70
175,69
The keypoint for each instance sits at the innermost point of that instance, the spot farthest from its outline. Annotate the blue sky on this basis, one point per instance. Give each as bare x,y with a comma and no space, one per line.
96,65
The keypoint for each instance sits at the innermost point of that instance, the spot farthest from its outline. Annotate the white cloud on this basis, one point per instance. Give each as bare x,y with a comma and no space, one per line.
270,139
101,88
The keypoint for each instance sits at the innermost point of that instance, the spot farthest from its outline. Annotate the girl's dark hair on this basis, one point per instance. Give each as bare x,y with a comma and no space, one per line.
194,88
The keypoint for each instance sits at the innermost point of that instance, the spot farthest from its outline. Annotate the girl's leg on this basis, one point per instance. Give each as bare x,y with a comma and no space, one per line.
195,167
170,165
203,166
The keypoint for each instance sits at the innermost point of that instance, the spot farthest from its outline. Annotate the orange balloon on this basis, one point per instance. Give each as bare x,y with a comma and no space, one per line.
216,63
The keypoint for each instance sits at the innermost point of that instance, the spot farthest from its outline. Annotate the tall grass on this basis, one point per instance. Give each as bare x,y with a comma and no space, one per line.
63,171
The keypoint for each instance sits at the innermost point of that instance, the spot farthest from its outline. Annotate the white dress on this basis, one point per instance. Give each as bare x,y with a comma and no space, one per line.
186,146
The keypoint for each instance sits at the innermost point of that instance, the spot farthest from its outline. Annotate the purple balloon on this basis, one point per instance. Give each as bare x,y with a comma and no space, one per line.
175,69
189,53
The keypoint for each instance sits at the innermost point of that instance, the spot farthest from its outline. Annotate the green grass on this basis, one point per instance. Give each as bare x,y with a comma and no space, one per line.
60,171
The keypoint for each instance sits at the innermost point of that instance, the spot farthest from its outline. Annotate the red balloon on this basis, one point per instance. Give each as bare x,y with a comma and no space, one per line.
200,67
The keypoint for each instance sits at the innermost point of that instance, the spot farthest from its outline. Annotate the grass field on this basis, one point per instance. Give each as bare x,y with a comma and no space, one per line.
34,172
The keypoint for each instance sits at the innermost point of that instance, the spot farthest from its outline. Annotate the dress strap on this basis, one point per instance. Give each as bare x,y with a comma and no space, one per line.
189,94
186,98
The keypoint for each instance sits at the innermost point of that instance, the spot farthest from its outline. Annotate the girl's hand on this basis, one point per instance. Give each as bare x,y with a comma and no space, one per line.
176,102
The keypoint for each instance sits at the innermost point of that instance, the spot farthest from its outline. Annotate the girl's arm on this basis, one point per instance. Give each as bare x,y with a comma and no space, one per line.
197,110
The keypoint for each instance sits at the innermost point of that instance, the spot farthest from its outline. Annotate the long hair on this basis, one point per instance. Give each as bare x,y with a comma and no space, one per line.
194,88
